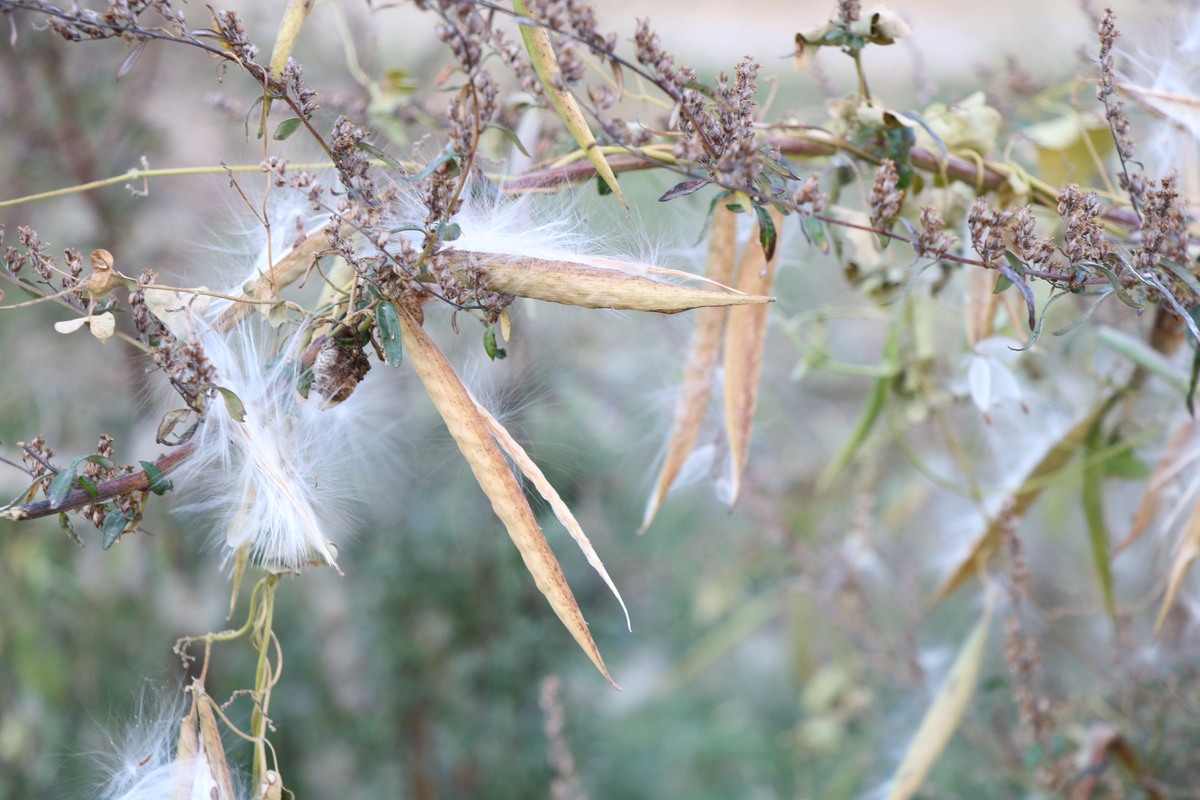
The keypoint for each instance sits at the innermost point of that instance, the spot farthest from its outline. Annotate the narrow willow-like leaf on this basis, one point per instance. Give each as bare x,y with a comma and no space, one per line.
1085,316
745,338
545,64
490,346
870,413
1117,286
1037,327
684,188
510,135
945,714
814,229
367,147
535,475
703,352
1092,499
479,448
1141,354
767,231
601,283
1017,276
1189,549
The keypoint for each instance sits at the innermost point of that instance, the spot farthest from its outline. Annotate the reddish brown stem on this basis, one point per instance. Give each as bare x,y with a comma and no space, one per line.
107,490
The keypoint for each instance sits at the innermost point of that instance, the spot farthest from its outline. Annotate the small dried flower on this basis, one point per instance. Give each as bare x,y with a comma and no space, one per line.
931,240
885,196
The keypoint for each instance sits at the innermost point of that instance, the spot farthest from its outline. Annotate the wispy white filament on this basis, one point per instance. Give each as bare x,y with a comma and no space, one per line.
282,481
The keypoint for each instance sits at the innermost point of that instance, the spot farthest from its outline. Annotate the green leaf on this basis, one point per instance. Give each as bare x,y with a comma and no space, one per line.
159,483
285,129
510,136
870,413
1092,500
815,231
64,522
114,526
1085,316
433,165
98,460
489,344
448,231
1191,393
382,156
88,485
602,186
60,487
766,232
249,112
387,320
233,403
1118,288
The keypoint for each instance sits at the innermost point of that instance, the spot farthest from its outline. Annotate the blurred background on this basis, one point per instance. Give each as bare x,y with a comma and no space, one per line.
784,649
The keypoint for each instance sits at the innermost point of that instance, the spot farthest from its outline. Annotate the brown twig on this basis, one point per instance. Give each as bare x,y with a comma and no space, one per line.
107,490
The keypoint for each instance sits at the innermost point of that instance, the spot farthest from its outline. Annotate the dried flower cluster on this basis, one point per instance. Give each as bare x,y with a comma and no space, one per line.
719,137
1131,180
1085,240
931,240
987,227
886,196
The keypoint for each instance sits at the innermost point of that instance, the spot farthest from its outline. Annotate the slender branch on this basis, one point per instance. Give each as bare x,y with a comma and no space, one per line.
106,490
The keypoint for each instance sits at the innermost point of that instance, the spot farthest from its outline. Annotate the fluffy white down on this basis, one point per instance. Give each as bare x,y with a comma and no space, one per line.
286,479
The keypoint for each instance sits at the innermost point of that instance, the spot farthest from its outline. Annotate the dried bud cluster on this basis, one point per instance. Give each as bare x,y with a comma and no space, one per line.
121,19
150,329
128,504
886,197
36,457
848,10
187,368
721,138
1036,251
931,240
230,27
987,227
1132,181
1085,238
809,198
